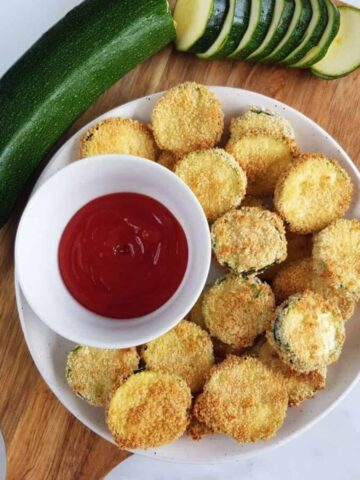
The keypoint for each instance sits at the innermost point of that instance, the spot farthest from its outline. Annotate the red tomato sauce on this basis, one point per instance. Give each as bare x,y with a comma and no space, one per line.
123,255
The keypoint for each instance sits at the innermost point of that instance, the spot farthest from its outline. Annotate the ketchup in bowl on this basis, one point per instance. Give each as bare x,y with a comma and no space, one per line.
123,255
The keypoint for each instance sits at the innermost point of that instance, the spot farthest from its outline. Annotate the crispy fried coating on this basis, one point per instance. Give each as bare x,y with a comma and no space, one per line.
308,332
294,277
196,313
187,118
186,351
92,373
263,157
196,430
250,201
298,247
237,310
215,178
256,119
249,240
312,193
168,159
149,410
118,135
244,399
300,386
336,256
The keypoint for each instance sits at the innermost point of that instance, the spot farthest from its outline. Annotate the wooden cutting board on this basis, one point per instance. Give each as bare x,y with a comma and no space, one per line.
43,440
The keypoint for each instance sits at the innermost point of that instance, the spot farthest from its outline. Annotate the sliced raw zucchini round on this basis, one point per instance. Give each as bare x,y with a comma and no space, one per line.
312,34
261,13
198,23
298,25
343,56
318,52
234,27
283,13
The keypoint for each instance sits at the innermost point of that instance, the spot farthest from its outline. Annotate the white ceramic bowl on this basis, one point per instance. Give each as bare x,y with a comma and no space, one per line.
44,220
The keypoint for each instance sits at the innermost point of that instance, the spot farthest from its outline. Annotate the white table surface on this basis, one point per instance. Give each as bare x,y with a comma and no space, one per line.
329,450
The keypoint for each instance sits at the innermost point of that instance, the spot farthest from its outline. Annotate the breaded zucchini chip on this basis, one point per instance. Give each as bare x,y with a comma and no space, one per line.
300,386
339,297
336,256
257,119
263,157
196,313
168,159
312,193
186,351
249,240
294,277
118,135
244,399
307,332
298,247
196,430
92,373
149,410
237,310
187,117
215,178
250,201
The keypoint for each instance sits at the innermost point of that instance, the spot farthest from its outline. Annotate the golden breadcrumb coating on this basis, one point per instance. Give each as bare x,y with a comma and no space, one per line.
244,399
186,351
312,193
300,386
249,240
308,332
215,178
149,410
187,117
295,277
121,136
196,430
168,159
336,256
196,313
92,373
237,310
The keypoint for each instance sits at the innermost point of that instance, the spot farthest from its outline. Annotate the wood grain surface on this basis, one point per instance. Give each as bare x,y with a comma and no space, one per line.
43,440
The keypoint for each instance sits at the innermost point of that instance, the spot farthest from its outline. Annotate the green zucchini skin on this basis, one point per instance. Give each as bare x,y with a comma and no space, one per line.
239,25
295,39
330,32
213,27
266,13
282,27
64,72
314,38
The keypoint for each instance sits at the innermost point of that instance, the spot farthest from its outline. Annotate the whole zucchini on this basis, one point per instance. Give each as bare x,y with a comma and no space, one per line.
62,74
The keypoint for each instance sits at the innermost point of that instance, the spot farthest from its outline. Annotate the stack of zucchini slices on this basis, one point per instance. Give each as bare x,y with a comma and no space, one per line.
294,33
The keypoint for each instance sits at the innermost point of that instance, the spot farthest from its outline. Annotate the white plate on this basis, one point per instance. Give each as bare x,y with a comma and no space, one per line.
49,350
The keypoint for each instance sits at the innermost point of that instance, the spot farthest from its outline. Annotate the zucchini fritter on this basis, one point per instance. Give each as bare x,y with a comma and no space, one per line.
307,332
237,310
263,157
92,373
196,430
249,240
300,386
118,135
215,178
149,410
244,399
312,193
188,117
257,119
336,256
196,313
168,159
186,351
294,277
